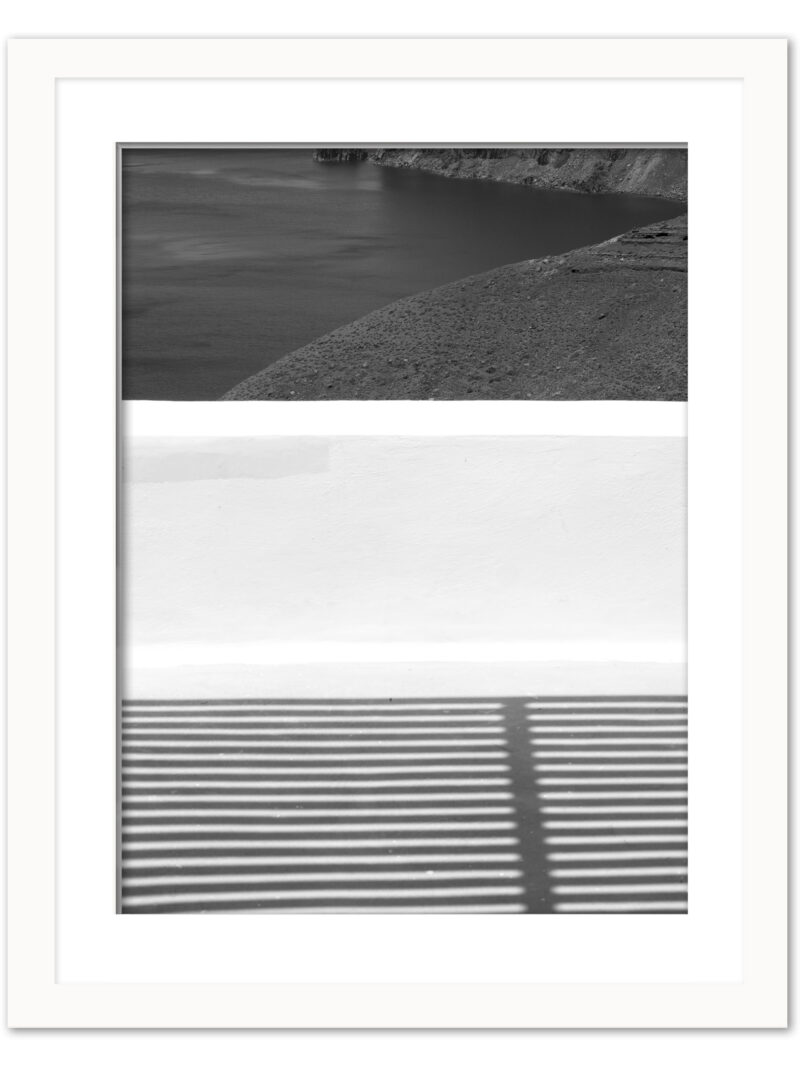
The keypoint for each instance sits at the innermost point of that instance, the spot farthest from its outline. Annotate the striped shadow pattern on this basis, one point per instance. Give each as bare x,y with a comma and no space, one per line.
396,806
368,806
611,777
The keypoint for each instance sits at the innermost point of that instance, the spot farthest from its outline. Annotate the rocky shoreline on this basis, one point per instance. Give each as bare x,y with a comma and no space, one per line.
657,172
607,322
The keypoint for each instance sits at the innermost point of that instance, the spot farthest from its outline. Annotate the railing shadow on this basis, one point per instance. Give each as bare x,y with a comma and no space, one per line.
504,804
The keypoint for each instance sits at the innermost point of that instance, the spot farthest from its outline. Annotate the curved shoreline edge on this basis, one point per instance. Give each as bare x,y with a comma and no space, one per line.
606,322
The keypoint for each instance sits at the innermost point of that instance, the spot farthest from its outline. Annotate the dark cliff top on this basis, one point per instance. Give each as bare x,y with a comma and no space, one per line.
607,322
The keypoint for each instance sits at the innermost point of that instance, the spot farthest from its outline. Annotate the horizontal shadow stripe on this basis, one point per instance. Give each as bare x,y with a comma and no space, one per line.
136,815
656,794
372,893
622,854
425,734
665,888
210,761
216,846
300,706
587,761
410,860
329,826
512,702
628,838
261,786
387,879
440,746
621,702
546,746
628,873
344,908
308,800
643,716
259,721
613,781
602,823
623,729
632,907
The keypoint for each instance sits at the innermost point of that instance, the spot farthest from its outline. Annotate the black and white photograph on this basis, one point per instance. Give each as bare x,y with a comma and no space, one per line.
404,274
403,673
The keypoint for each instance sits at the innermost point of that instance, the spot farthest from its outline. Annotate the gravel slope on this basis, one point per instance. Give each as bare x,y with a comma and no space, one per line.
607,322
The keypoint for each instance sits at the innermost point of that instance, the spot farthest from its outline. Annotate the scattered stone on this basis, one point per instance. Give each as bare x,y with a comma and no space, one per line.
535,322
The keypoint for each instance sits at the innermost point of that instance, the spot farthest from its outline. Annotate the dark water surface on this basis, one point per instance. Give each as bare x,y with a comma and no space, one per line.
231,258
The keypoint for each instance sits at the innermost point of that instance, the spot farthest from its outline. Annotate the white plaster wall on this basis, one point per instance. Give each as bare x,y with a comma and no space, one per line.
535,539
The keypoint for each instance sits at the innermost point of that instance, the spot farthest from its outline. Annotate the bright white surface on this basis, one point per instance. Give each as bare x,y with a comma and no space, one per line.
234,543
250,418
413,679
93,944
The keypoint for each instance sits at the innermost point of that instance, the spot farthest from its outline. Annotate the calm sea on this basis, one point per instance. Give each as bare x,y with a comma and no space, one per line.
232,258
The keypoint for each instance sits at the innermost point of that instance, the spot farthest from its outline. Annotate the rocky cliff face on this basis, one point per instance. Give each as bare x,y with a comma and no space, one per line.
340,155
641,171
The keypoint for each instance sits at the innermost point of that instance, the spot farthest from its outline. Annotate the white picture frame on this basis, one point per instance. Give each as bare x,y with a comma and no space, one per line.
750,994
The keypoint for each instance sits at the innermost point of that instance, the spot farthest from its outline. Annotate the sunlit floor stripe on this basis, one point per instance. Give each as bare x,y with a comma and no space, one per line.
617,872
639,794
619,890
406,859
289,813
541,743
317,828
300,798
618,905
299,708
444,742
317,772
326,877
587,824
355,843
326,894
670,759
614,839
673,779
398,909
605,716
632,854
444,722
679,766
203,760
624,729
302,783
287,731
621,703
610,809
